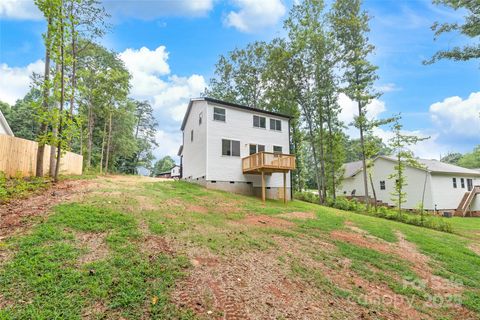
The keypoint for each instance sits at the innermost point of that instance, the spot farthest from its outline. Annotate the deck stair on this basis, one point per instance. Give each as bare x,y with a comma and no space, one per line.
464,206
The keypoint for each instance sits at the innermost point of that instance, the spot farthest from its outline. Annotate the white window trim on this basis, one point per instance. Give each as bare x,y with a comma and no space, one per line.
281,125
256,115
213,115
230,156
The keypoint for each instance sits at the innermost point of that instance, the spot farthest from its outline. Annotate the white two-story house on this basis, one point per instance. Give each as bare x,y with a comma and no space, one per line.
236,148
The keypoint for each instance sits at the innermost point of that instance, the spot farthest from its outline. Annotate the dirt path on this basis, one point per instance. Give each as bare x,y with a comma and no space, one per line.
16,215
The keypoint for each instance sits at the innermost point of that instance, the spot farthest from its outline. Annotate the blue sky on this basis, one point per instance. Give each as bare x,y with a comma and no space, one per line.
171,46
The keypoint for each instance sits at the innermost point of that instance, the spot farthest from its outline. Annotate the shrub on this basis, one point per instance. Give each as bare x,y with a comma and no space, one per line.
417,219
18,186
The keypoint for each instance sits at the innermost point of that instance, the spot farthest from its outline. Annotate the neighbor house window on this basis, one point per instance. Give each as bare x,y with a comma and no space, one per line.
277,149
382,185
191,135
200,116
275,125
230,148
219,114
454,182
259,122
462,183
469,184
255,148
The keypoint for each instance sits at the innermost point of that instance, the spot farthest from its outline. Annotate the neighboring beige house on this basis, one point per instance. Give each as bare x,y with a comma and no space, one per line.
444,187
4,127
236,148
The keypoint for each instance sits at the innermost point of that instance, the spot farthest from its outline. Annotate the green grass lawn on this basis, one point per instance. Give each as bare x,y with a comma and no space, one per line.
47,274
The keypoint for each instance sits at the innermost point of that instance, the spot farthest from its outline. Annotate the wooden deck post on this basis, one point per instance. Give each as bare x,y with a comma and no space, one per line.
263,187
285,187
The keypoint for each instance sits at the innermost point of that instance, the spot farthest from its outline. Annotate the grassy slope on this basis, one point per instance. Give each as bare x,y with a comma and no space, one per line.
44,280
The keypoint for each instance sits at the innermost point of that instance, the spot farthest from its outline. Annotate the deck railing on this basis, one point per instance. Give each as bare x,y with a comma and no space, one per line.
268,160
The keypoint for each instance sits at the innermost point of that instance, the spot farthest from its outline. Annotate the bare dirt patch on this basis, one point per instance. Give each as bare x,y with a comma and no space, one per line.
95,244
420,263
249,286
14,216
298,215
265,221
196,209
475,247
146,203
155,245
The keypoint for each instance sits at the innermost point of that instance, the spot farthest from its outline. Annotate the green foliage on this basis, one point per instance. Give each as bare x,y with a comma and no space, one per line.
451,158
342,203
163,165
399,144
18,187
22,116
471,159
470,28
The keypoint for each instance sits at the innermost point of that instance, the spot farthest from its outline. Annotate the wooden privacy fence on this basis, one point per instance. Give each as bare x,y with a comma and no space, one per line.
19,156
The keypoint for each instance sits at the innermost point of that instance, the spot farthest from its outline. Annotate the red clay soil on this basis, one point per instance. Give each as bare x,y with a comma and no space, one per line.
407,251
265,221
15,215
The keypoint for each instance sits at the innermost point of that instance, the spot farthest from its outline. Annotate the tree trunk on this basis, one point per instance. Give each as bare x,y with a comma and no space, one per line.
109,138
62,96
364,160
373,191
103,145
53,149
90,135
74,66
314,152
322,161
332,161
46,77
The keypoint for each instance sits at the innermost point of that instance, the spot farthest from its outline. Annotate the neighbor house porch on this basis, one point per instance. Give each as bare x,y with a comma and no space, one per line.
265,163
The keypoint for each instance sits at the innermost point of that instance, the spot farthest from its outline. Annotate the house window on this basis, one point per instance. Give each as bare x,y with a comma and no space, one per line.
200,116
382,185
230,148
259,122
462,183
219,114
277,149
454,182
275,125
255,148
191,135
469,184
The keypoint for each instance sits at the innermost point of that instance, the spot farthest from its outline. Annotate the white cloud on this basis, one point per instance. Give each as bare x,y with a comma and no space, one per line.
388,87
431,148
253,14
350,110
19,9
457,117
15,82
168,144
168,93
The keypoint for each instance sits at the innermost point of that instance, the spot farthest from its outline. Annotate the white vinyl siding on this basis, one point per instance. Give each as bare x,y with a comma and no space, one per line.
239,128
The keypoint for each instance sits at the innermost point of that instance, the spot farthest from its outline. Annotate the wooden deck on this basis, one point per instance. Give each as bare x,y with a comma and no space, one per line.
268,162
265,163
